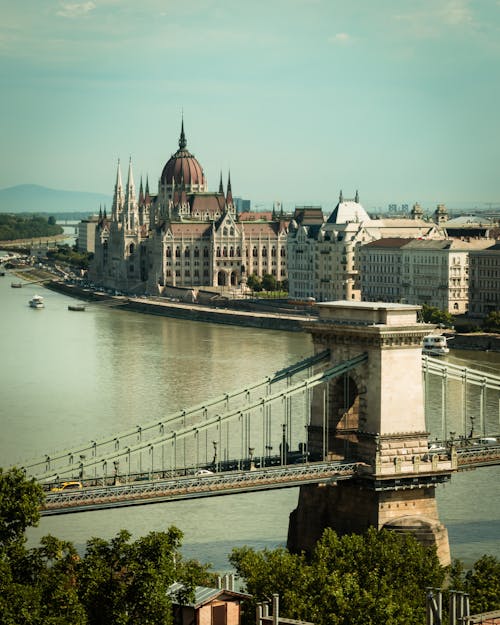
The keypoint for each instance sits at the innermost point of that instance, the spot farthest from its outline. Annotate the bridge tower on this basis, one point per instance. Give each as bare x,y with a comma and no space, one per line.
374,413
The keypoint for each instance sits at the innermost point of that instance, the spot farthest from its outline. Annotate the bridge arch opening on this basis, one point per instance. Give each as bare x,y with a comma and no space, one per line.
343,415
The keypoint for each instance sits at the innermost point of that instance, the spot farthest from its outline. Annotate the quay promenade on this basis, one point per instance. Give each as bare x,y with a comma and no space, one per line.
217,313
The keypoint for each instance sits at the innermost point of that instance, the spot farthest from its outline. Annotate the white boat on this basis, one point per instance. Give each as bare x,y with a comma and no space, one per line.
36,302
435,345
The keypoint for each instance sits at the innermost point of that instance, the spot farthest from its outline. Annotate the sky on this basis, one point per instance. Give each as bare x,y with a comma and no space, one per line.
298,99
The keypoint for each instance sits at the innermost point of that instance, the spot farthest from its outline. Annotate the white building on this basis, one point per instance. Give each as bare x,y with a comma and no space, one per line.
85,235
323,256
414,271
484,281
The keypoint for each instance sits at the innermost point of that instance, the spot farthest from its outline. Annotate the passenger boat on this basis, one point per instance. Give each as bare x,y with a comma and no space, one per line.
16,285
435,345
36,302
76,307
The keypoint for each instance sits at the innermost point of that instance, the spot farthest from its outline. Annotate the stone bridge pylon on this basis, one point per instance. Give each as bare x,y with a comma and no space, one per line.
374,413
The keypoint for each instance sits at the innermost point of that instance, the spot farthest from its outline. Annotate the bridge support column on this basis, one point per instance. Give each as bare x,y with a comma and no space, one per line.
374,414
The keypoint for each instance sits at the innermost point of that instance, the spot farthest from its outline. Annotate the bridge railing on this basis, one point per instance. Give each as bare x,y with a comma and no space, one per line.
209,424
142,436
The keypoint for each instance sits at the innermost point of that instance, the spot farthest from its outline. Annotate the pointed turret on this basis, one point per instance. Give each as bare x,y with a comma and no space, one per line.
229,194
130,207
118,198
141,194
356,197
221,187
341,197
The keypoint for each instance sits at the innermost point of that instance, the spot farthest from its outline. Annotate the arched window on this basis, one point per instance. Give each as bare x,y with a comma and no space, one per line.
196,252
205,252
218,252
224,231
231,251
231,231
264,251
254,252
238,251
282,252
224,251
273,251
168,252
177,252
186,252
131,248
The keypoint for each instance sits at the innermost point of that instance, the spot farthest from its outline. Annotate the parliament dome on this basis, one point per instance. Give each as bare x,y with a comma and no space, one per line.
183,167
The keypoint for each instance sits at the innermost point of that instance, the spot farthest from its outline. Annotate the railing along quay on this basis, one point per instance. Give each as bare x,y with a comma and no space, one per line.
195,486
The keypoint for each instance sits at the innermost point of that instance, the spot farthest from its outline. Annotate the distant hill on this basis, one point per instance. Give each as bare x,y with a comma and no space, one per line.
32,198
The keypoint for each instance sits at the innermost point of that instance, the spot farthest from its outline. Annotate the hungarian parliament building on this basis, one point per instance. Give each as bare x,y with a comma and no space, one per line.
183,235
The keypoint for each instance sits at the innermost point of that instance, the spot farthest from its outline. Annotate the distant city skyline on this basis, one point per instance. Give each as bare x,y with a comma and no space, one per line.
298,99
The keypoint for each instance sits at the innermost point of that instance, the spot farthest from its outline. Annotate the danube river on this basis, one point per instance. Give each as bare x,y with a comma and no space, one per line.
69,377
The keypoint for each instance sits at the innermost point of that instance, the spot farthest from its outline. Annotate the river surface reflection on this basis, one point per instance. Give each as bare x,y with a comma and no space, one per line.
67,378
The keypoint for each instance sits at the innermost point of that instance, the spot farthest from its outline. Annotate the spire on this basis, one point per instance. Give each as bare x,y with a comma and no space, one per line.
182,139
229,195
141,193
341,197
356,197
221,187
118,195
130,177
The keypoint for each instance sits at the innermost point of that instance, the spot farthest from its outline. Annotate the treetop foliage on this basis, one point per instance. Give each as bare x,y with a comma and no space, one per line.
14,227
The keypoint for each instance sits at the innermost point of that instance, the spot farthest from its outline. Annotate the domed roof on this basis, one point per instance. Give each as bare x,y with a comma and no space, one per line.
182,167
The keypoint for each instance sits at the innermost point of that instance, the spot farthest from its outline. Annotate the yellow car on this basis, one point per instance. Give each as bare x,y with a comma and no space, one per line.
67,486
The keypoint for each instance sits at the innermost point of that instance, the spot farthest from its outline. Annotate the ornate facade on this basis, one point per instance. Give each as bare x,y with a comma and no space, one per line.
184,235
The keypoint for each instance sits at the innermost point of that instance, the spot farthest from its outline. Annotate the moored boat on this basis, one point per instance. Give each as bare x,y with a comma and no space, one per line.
76,307
16,285
435,345
36,302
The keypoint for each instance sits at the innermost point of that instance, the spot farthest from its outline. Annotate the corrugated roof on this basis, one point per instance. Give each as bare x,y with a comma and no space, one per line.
204,594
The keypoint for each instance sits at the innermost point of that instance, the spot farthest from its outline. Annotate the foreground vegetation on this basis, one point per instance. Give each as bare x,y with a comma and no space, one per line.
376,579
13,227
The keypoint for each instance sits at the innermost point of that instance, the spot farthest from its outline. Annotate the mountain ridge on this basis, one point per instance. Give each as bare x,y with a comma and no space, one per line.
32,198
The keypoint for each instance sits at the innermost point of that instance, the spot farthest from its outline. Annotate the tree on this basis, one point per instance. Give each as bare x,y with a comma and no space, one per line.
482,583
432,314
254,282
20,501
492,321
127,582
377,578
268,282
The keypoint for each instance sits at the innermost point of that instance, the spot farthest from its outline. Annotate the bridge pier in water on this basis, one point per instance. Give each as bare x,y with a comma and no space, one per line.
374,413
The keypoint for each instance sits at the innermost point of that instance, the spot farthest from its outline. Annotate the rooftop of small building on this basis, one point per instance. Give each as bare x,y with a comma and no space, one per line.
204,594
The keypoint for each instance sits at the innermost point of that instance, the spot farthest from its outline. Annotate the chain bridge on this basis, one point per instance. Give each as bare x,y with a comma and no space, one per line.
367,416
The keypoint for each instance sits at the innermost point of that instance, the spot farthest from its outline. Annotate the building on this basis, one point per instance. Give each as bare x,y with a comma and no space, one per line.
418,271
182,236
323,255
85,234
484,281
209,606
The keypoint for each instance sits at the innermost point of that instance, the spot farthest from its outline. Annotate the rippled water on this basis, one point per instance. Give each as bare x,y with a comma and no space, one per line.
70,377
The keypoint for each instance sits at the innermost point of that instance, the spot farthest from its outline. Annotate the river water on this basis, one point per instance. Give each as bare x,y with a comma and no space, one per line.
68,378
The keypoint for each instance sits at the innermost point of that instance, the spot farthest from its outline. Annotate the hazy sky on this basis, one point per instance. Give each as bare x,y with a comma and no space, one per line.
297,98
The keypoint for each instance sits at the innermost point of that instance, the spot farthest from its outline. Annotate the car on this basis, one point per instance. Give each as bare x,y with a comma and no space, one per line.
488,440
204,472
67,486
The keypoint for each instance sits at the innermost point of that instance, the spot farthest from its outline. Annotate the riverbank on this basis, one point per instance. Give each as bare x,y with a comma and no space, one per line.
188,311
226,312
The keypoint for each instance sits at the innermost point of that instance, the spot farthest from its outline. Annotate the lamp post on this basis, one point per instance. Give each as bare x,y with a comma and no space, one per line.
251,451
215,459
